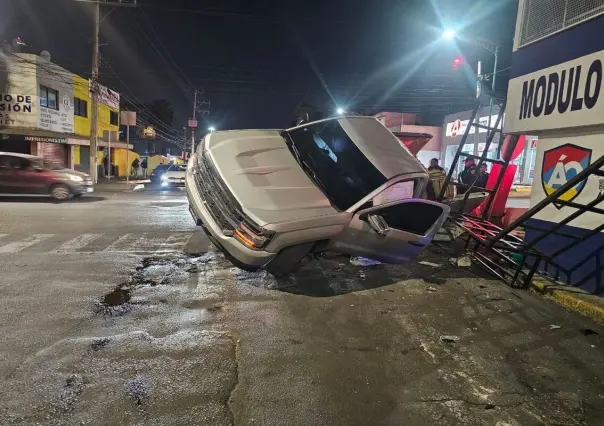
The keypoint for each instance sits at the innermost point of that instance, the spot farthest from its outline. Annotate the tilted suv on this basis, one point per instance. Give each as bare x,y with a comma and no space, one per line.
23,174
268,198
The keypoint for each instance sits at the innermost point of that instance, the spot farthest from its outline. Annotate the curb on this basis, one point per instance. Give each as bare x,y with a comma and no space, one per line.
116,188
572,298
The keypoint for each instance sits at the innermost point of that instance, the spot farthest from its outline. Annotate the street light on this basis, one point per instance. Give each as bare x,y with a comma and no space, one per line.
340,111
212,129
449,34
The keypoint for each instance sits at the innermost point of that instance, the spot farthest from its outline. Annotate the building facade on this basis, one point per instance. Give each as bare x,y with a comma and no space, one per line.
555,93
454,127
45,110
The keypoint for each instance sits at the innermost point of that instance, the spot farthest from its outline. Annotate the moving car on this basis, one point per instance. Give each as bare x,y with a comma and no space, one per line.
158,172
268,198
23,174
174,176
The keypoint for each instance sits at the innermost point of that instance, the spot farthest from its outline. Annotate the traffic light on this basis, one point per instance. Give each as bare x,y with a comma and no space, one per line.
457,62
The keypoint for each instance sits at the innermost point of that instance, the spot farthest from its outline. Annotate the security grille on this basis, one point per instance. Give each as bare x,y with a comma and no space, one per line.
541,18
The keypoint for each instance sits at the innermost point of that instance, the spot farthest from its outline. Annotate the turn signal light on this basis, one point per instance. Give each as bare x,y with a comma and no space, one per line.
251,238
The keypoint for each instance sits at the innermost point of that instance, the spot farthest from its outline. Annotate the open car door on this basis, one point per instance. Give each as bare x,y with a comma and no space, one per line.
392,233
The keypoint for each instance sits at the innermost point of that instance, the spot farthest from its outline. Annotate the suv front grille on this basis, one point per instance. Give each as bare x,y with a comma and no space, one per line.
221,204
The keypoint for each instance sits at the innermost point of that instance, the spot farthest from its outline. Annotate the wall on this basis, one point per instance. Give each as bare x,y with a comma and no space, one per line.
19,103
52,76
82,124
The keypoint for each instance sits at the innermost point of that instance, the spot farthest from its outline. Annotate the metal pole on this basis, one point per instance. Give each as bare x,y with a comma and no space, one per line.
478,79
127,153
94,83
109,158
193,129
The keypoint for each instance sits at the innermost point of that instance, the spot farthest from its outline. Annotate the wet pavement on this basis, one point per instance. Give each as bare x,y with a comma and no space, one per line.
116,310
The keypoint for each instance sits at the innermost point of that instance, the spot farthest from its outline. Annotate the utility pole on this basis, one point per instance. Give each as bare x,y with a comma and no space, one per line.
94,87
94,78
193,129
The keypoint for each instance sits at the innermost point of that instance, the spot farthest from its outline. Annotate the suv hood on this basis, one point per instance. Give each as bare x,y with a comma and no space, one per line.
264,176
84,176
175,174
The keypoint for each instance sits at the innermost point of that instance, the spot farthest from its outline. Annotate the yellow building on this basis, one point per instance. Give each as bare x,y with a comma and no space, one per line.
108,126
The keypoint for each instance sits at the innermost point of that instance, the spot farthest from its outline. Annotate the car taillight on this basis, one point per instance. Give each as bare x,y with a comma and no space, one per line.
252,238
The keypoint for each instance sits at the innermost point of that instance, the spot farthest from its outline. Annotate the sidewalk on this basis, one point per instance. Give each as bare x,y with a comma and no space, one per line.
119,184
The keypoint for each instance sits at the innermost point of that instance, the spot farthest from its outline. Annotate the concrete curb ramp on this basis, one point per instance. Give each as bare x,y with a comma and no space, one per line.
572,298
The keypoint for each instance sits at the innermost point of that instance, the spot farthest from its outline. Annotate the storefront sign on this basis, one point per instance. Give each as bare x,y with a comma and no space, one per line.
558,161
458,127
106,96
13,107
562,96
27,138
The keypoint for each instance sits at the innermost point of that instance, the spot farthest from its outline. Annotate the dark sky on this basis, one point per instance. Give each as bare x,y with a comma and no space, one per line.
256,60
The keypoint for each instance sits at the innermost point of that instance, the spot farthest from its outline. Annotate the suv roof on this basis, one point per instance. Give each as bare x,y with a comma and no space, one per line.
18,154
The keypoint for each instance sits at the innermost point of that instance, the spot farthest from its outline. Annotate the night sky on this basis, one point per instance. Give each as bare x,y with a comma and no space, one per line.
257,60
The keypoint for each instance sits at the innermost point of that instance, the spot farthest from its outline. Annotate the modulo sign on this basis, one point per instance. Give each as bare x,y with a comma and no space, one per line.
562,96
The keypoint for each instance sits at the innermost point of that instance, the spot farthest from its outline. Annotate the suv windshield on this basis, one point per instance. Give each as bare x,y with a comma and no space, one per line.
334,162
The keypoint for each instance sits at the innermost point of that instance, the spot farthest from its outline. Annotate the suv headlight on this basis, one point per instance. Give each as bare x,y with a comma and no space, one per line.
76,178
252,236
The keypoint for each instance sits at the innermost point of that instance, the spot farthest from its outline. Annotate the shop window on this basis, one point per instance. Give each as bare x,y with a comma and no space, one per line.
113,118
48,97
80,107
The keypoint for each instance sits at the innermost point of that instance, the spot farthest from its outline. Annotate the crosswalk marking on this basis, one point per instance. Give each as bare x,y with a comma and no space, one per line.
92,243
18,246
113,246
77,243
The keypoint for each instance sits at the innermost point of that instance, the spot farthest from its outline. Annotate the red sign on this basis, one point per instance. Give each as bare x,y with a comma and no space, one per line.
193,123
456,128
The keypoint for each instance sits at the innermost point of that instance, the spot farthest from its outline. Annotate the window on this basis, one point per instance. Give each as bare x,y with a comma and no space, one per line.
80,107
113,120
48,98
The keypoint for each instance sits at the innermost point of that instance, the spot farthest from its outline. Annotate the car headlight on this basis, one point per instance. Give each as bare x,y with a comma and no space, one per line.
252,236
164,178
76,178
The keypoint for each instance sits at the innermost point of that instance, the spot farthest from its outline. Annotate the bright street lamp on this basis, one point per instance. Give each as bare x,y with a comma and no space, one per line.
212,129
449,34
340,111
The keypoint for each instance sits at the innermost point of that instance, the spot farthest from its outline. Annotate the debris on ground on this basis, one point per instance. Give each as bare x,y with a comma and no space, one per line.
363,261
462,261
432,289
137,389
555,327
426,263
589,332
449,339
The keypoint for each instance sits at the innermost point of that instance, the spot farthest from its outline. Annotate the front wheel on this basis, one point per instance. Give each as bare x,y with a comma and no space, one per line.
60,192
289,259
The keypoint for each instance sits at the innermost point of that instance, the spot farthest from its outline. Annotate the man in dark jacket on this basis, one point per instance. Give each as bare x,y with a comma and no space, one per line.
468,176
434,165
483,177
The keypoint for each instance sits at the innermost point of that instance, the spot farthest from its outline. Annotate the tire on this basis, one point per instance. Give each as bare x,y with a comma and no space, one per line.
60,192
289,259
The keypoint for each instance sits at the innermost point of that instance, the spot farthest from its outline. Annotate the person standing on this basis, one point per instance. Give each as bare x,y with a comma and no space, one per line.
135,165
106,165
468,176
483,177
434,166
144,167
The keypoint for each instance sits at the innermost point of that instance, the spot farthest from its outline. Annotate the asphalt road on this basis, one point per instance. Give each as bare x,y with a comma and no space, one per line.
116,310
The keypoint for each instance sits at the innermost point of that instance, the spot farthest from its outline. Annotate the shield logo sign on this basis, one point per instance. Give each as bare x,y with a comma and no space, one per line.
560,165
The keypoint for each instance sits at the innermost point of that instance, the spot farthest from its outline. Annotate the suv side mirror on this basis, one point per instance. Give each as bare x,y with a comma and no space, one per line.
378,224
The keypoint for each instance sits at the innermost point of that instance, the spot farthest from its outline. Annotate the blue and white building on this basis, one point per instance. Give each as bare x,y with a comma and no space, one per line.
555,92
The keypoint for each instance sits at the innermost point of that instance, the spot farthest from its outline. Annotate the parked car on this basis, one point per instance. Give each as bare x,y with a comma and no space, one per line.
268,198
174,176
158,172
23,174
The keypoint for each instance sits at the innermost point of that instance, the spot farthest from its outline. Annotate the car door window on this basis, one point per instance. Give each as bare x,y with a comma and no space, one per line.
415,217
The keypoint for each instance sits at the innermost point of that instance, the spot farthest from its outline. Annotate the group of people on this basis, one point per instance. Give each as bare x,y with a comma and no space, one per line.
470,177
473,177
136,164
